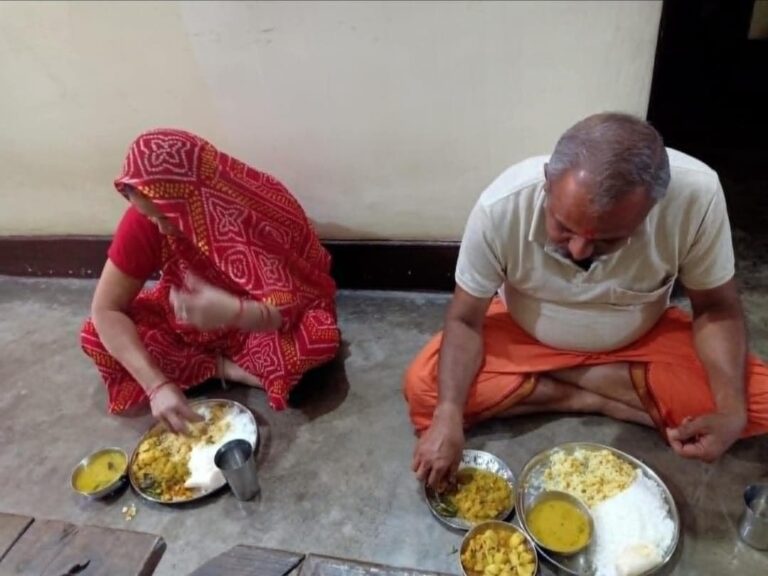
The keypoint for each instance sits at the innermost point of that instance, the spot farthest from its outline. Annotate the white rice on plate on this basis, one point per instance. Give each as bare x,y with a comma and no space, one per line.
203,473
633,529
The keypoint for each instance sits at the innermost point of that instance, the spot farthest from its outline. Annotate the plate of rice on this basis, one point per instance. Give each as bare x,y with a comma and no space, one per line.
636,522
171,468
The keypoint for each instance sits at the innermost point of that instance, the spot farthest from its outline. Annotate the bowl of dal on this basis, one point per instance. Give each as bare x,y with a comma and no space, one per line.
496,548
560,522
101,473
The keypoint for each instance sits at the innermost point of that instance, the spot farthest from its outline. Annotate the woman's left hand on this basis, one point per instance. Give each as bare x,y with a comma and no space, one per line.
203,305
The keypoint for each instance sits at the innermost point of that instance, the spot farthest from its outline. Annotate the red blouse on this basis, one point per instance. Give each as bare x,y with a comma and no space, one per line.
136,248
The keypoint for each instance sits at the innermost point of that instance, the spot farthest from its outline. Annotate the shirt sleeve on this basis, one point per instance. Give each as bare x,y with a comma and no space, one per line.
136,247
480,269
709,262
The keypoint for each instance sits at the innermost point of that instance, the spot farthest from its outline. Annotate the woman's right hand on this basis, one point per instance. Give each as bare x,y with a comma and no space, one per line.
170,407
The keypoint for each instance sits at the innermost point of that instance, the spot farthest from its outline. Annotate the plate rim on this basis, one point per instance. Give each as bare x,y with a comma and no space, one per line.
464,525
204,493
650,472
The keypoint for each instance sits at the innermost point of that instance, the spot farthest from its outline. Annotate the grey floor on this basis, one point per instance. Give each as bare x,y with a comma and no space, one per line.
334,471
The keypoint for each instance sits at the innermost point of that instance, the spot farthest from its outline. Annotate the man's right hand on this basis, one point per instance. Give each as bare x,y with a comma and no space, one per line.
438,451
170,407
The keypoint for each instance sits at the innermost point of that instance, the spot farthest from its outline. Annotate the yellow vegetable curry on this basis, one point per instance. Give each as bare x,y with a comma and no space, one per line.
498,552
479,495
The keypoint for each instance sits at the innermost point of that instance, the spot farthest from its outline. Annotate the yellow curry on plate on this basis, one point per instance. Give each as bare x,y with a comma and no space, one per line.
479,495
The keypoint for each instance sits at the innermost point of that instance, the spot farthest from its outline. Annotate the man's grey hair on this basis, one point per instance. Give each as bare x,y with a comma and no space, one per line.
618,151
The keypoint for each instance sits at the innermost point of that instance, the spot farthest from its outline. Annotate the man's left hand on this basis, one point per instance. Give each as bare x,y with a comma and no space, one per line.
706,437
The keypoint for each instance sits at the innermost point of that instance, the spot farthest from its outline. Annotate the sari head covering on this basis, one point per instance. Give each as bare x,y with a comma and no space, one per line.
242,231
244,221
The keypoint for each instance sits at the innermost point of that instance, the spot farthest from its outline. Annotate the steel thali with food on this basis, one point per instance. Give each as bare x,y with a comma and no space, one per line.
531,484
145,491
481,460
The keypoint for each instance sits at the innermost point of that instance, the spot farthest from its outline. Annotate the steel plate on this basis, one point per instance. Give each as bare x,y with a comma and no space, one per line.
483,461
199,493
581,564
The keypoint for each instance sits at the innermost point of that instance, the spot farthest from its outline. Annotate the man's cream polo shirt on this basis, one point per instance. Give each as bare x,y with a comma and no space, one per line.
622,295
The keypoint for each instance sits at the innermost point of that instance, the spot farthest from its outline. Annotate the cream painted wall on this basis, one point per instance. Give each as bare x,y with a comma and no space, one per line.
386,120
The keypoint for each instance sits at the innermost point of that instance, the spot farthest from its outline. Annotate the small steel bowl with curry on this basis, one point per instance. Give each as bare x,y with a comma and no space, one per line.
559,522
101,473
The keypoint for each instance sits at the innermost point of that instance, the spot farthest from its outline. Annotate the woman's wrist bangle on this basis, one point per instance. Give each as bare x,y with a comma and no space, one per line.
153,391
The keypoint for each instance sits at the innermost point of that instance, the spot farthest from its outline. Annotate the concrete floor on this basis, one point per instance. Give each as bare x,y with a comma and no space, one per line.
335,471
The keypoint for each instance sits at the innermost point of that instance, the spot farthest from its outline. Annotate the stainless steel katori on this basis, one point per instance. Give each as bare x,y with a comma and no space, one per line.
549,495
497,525
108,488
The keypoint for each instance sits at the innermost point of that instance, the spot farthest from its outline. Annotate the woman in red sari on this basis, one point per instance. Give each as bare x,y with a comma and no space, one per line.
244,293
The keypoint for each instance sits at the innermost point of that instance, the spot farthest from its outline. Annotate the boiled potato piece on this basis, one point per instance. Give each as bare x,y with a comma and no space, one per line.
496,552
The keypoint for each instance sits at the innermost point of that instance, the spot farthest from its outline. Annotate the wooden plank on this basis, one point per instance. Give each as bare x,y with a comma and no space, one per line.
317,565
52,548
250,561
12,526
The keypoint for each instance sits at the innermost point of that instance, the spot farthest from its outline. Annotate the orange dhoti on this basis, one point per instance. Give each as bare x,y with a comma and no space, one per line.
666,373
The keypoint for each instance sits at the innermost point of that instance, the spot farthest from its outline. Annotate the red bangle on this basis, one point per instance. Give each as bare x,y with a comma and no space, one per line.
151,393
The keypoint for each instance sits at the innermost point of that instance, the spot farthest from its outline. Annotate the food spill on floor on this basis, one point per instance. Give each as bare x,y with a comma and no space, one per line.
129,512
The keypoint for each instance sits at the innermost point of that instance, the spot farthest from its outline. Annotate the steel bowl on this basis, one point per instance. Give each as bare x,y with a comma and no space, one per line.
109,488
482,461
557,495
497,525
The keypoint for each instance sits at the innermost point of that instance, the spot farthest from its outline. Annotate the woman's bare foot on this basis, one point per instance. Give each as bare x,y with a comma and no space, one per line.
231,371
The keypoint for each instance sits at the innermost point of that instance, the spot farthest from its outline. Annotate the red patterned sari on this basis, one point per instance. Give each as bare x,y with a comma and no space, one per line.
243,232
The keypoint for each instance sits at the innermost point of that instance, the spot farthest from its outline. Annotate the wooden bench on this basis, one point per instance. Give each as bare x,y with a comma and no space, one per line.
32,547
250,561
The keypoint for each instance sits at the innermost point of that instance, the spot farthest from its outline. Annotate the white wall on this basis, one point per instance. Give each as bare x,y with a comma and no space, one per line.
386,120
